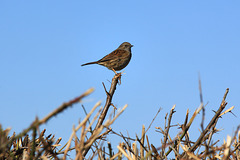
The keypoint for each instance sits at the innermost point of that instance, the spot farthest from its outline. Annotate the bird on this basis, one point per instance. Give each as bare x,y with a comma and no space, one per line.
117,59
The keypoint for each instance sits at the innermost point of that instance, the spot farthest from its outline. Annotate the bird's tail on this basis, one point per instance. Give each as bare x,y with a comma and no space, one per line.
89,63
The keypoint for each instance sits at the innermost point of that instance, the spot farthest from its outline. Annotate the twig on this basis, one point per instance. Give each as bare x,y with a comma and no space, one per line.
120,135
123,152
167,130
214,119
185,129
45,119
109,100
226,156
97,131
106,107
153,119
78,127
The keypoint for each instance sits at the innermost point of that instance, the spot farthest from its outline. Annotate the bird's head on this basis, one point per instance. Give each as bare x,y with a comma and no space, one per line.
126,46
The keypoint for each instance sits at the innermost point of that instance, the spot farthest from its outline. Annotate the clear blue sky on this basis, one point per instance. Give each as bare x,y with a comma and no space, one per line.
44,43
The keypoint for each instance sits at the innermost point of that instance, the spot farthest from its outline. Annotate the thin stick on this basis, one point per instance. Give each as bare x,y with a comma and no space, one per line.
153,119
45,119
214,119
142,141
97,131
107,105
123,152
78,127
167,130
185,129
109,99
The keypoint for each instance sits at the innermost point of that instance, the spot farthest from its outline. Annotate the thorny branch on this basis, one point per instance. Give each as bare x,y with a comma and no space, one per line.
108,103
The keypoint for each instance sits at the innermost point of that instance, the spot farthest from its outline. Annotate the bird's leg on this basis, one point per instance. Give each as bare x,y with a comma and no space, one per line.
117,75
114,71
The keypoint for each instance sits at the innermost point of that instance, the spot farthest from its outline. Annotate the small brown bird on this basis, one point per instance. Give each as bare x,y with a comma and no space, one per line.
116,60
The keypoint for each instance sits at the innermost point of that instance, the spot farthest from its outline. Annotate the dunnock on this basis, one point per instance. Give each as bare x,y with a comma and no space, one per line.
116,60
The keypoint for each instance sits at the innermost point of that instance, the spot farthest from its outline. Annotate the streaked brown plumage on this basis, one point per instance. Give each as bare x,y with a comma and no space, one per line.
116,60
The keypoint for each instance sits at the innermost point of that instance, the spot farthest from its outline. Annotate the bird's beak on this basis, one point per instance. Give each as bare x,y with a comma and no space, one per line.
132,45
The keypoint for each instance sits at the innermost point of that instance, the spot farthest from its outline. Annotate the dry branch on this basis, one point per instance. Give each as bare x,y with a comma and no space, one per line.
37,123
212,122
108,103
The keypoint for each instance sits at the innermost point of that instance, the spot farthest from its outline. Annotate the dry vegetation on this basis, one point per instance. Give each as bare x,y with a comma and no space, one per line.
87,141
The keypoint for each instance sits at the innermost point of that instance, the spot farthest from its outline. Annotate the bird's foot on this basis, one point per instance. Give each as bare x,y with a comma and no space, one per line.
118,76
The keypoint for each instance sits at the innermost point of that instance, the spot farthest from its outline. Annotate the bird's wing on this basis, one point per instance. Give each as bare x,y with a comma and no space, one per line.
118,53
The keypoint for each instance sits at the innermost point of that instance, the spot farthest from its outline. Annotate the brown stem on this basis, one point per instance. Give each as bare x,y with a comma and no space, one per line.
45,119
214,120
167,130
108,103
109,100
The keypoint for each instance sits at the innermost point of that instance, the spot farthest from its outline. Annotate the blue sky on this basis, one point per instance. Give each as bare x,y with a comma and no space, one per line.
44,43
